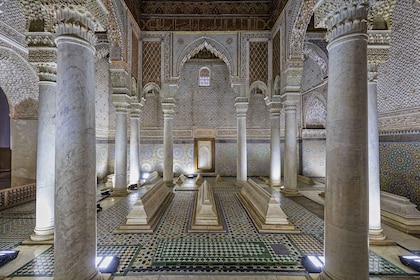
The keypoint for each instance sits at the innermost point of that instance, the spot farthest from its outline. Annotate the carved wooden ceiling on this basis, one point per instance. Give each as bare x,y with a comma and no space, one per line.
199,15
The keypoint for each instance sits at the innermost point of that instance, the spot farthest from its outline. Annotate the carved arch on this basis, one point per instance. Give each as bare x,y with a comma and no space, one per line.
302,16
211,45
19,81
315,53
261,86
315,111
151,87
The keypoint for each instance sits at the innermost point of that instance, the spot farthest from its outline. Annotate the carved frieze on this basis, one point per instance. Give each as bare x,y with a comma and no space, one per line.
341,17
406,120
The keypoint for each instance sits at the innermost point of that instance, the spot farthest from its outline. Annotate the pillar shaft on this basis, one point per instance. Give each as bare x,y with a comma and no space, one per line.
275,159
168,145
290,150
75,195
346,199
134,147
241,105
45,182
375,227
120,167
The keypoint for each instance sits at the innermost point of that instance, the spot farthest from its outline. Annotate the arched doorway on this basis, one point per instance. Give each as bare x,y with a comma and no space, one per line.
5,152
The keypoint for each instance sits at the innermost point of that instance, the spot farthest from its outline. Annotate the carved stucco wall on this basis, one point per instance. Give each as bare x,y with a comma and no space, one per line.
399,77
399,105
209,107
19,81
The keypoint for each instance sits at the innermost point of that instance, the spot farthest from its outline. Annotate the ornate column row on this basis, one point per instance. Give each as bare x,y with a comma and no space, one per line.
241,105
134,143
43,54
375,227
75,158
168,107
122,103
290,149
346,199
275,145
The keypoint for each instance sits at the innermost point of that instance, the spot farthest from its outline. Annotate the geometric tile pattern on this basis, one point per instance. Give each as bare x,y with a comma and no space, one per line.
172,249
400,169
43,265
16,225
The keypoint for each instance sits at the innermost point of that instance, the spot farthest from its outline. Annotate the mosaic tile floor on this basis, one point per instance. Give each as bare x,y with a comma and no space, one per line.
171,249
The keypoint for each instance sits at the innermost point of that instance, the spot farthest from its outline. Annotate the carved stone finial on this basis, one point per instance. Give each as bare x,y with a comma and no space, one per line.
341,17
73,22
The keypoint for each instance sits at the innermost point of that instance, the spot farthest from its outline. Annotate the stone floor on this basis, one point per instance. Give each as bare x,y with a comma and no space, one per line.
171,252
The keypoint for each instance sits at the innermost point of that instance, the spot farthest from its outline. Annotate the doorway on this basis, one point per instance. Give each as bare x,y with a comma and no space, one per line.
204,155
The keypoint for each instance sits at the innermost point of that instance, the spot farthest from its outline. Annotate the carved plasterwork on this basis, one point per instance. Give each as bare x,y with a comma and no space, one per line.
312,51
341,16
304,11
380,12
399,121
379,37
12,27
19,82
315,111
211,45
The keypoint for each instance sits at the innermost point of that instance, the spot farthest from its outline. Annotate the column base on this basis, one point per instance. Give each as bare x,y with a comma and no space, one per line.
239,184
169,184
290,192
119,193
378,238
40,238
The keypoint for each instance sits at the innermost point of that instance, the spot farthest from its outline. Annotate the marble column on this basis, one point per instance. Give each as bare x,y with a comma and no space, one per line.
375,227
290,149
168,108
121,103
134,144
45,173
75,153
347,190
275,150
241,104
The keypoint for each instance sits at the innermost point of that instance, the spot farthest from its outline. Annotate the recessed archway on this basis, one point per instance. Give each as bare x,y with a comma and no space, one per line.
5,152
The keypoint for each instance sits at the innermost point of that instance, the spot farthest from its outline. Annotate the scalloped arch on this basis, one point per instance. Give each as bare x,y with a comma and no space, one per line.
211,45
261,86
151,87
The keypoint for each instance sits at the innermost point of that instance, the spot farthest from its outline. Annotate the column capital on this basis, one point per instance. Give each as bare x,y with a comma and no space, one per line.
120,80
135,110
342,17
168,106
43,55
241,105
274,108
73,22
121,102
47,72
290,105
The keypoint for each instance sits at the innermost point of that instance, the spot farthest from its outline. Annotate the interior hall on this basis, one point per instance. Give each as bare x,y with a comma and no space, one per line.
258,139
